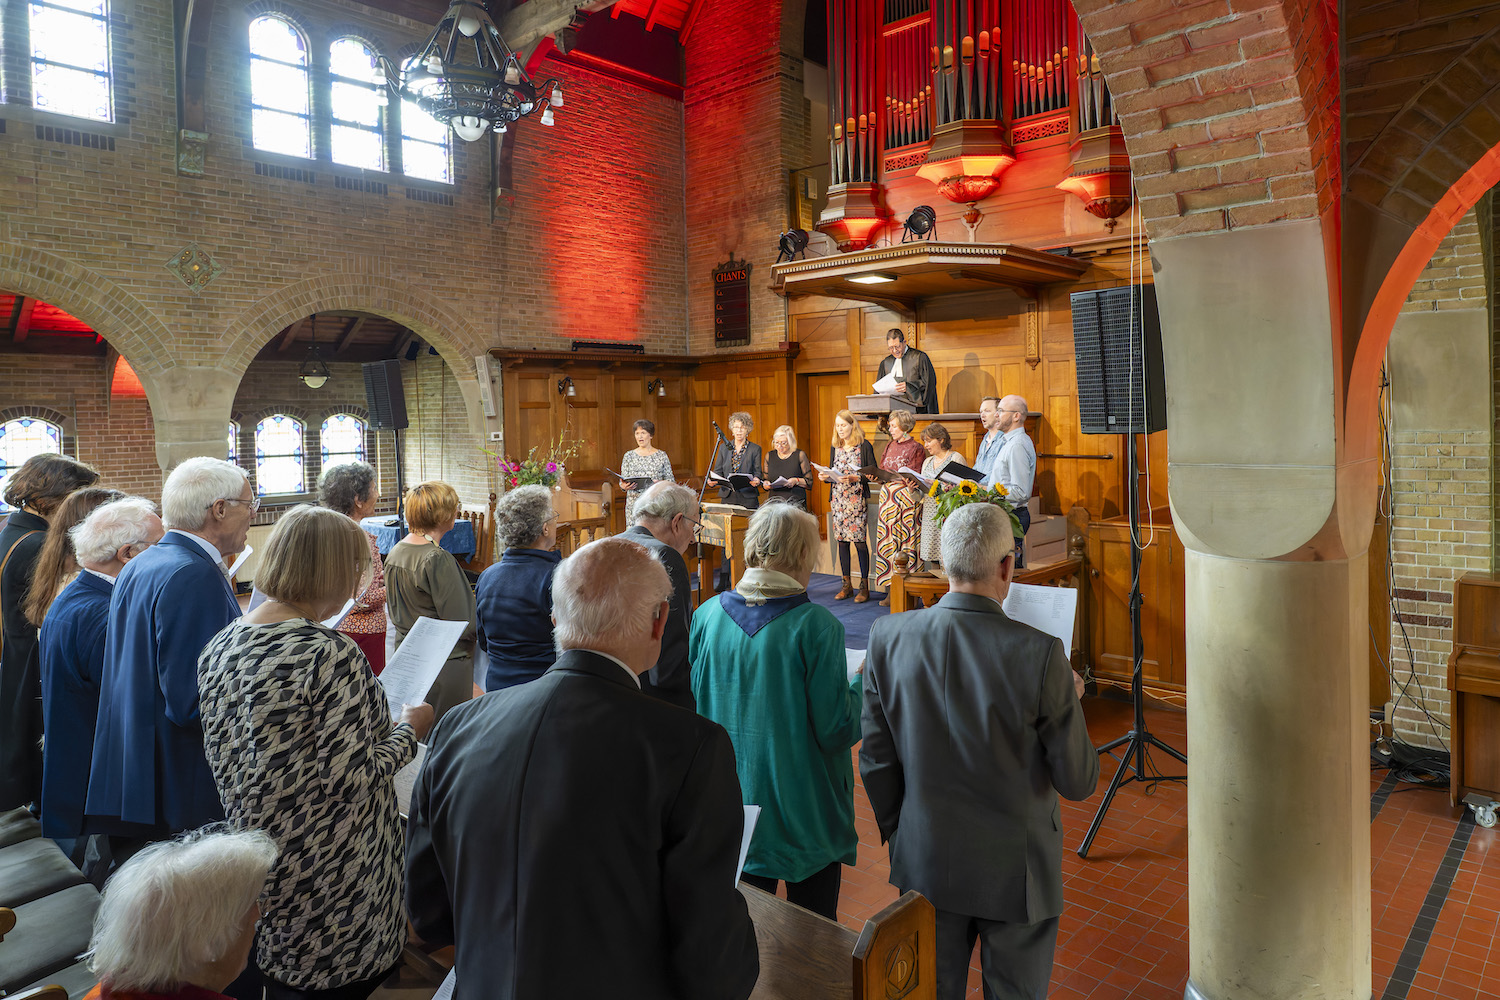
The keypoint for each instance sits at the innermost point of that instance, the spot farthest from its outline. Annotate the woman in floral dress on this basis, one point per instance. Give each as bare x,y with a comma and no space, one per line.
896,526
642,462
849,453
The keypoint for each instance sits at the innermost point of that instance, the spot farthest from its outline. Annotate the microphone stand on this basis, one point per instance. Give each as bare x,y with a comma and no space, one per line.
712,459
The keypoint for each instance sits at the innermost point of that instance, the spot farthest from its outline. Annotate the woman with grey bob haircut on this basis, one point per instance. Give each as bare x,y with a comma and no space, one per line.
181,915
783,538
344,486
514,596
523,515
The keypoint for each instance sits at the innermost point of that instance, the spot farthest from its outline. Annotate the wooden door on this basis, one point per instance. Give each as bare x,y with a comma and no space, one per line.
826,396
1162,592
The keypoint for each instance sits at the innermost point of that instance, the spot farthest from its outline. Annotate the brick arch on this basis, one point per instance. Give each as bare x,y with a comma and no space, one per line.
428,316
1229,111
130,327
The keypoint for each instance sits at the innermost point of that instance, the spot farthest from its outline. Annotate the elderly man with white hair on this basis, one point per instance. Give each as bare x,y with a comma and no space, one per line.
150,778
596,829
972,728
177,921
71,651
666,518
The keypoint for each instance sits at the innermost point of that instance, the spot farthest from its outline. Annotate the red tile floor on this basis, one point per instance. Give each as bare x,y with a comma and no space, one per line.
1124,933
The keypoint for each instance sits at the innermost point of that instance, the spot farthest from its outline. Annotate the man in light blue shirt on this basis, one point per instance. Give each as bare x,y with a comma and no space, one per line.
1011,462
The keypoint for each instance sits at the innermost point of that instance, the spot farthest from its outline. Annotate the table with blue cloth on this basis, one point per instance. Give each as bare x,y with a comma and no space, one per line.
459,541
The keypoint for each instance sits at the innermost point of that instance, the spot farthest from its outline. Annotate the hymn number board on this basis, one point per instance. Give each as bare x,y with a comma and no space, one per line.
732,303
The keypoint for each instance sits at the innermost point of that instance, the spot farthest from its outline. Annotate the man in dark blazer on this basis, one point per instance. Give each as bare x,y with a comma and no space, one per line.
572,837
666,518
150,778
917,381
972,728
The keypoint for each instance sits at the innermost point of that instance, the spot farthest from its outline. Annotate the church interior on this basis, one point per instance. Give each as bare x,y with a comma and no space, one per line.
217,227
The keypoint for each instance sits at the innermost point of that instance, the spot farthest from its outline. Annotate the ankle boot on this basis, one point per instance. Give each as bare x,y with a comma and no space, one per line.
846,592
864,592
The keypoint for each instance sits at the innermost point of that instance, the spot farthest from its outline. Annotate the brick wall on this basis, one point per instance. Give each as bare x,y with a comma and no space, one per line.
439,445
1454,278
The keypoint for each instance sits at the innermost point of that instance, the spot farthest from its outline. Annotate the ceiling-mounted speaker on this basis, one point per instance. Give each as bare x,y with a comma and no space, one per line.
385,397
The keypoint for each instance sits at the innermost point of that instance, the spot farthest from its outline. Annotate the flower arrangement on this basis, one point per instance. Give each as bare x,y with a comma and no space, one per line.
544,469
949,498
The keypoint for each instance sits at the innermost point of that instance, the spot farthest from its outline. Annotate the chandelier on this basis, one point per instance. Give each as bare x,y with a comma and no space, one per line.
467,77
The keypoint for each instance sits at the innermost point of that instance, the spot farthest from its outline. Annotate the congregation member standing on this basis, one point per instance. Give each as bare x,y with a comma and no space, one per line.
740,457
644,461
57,563
514,595
666,519
939,447
916,381
896,522
849,501
1012,464
769,666
351,489
972,728
34,491
423,580
149,777
573,837
787,461
302,746
71,651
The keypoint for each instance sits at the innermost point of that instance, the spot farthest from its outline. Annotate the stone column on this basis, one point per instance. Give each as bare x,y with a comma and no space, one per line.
190,408
1276,524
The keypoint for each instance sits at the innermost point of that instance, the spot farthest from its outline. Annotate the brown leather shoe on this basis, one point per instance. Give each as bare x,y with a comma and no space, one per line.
885,601
846,592
864,593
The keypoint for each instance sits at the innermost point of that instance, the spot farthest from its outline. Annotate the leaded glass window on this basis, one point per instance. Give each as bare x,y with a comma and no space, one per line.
424,144
357,94
22,438
278,455
342,439
70,72
234,441
280,102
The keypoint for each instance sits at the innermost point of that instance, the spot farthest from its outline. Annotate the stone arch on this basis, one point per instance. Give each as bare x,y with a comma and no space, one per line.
119,317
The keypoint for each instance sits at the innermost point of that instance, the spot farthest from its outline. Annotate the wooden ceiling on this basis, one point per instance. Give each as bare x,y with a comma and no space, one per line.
31,326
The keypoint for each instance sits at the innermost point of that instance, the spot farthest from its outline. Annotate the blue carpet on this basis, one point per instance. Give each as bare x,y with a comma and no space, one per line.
857,618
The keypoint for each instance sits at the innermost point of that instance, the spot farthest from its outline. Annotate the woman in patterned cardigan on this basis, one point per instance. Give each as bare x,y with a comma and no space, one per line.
302,745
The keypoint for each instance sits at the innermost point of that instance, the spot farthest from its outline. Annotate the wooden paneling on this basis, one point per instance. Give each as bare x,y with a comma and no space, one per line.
1163,593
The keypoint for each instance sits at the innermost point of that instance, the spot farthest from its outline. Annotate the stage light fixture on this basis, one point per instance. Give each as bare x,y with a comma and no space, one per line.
793,242
921,224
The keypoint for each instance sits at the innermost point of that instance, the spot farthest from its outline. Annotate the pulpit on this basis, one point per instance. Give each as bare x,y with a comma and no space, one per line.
1474,681
722,531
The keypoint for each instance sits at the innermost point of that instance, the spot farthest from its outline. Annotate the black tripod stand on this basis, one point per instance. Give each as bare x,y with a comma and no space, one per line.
1139,739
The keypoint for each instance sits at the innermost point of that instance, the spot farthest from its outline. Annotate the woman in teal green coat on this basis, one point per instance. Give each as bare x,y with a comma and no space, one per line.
769,666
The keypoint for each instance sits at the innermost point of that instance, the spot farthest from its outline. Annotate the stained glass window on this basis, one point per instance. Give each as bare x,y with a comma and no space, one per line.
70,58
20,439
424,144
343,439
357,94
278,455
280,105
234,441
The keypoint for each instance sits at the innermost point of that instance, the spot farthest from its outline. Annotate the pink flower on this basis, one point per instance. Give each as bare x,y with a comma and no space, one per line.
551,466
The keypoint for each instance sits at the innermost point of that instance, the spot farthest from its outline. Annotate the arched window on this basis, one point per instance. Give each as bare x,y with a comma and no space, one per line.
20,439
424,144
278,455
343,439
358,100
70,58
234,441
280,110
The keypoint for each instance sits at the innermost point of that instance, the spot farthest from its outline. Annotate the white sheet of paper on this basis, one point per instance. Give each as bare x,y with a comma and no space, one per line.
406,780
257,598
886,385
1050,609
415,665
239,560
825,470
853,660
752,813
340,616
445,991
779,483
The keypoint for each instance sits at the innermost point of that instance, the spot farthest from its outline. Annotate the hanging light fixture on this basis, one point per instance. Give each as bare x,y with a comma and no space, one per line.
313,371
467,77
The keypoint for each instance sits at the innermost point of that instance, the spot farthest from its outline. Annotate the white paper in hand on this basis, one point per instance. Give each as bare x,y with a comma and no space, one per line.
445,991
1050,609
339,615
239,560
406,781
886,385
416,664
752,814
854,659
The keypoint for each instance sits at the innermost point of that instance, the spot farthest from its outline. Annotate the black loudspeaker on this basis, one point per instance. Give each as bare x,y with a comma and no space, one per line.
1117,348
384,396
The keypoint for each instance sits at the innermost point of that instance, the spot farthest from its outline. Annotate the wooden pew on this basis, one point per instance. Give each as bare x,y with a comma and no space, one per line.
484,535
583,515
807,957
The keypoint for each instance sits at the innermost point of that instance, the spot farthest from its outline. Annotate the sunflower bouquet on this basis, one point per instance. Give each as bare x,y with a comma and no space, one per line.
949,498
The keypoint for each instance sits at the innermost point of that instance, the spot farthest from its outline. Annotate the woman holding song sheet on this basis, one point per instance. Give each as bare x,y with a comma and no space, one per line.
939,446
302,746
896,525
644,461
847,454
789,464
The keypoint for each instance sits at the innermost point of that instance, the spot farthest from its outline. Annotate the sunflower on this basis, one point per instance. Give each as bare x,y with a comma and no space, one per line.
967,488
1000,491
934,489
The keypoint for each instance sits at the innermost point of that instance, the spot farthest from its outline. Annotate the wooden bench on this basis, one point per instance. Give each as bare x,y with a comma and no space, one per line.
46,914
804,956
483,521
583,515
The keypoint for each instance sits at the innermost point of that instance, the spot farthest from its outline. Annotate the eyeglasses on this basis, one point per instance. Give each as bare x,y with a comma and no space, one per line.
254,504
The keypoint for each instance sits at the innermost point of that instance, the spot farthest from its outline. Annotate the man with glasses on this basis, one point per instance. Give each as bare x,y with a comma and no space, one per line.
150,779
666,520
1007,457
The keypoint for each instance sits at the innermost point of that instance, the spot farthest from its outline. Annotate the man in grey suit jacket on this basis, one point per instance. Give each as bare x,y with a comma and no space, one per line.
972,728
666,518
